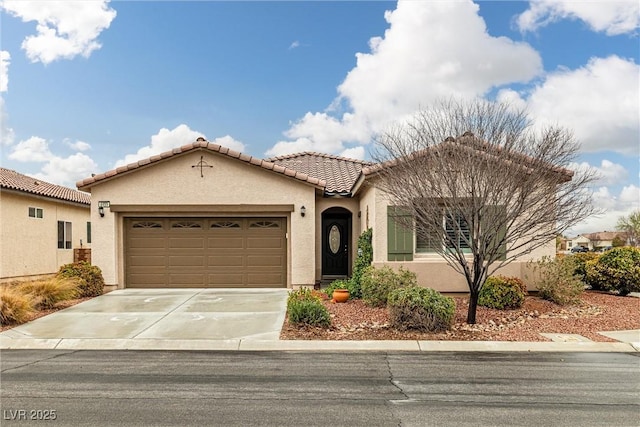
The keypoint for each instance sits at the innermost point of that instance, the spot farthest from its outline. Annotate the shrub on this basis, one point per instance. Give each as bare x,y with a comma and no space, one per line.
502,293
420,308
616,270
363,260
580,261
556,280
305,307
46,293
91,281
15,306
377,283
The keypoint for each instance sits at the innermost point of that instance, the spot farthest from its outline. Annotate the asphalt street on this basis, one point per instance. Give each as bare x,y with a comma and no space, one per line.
160,388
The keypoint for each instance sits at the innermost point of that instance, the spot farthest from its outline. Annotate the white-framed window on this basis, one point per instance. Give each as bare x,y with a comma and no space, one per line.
457,235
36,212
64,235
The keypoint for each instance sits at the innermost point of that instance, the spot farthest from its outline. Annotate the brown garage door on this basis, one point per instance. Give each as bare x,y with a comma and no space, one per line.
205,252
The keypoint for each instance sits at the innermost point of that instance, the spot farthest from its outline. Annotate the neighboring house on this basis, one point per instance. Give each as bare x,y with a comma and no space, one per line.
205,216
596,241
579,240
40,225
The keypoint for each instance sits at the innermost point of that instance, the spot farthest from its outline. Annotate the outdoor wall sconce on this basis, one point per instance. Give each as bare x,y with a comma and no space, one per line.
303,211
101,211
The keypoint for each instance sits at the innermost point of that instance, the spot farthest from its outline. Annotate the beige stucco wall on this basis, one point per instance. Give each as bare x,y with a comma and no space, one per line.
350,204
432,270
29,246
228,182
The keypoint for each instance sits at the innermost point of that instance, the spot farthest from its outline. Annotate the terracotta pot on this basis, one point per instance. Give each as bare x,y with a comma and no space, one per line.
340,295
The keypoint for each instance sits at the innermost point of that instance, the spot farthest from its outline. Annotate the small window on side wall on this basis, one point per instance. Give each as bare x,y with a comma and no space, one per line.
35,212
64,235
88,232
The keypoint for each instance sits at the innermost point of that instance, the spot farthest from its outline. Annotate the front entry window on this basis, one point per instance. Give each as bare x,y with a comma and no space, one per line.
334,239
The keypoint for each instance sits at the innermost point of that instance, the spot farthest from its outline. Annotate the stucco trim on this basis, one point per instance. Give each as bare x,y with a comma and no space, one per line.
209,209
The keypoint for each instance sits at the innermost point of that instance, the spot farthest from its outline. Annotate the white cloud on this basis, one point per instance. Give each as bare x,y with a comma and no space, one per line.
57,170
354,153
67,171
609,173
614,206
65,29
294,45
422,56
78,145
229,142
34,149
5,60
612,17
7,135
599,102
166,140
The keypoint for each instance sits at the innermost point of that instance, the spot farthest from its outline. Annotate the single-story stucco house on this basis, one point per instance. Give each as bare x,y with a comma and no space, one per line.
41,226
205,216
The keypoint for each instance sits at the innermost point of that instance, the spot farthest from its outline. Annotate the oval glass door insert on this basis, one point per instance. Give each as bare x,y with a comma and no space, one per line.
334,239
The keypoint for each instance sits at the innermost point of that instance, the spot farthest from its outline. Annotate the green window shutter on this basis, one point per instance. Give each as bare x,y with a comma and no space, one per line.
399,238
499,213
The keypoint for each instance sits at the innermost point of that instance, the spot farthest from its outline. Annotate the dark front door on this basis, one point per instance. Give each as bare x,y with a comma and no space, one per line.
335,245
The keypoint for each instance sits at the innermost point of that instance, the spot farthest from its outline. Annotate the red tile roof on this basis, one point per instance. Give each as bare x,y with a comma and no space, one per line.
13,180
202,144
339,173
469,142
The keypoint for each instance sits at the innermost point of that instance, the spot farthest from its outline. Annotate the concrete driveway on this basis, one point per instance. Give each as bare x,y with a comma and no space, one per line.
165,314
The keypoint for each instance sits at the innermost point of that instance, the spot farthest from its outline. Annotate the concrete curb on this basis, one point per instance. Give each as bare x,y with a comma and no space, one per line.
7,343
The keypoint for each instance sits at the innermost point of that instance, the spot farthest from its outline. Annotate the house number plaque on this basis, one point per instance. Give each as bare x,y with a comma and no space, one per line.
334,239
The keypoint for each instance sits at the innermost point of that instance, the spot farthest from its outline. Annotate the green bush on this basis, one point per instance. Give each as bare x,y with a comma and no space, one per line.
420,308
15,306
46,293
580,260
305,307
557,281
502,293
91,281
616,270
377,283
363,260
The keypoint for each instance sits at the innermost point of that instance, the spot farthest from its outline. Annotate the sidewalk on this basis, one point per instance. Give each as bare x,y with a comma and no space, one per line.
8,342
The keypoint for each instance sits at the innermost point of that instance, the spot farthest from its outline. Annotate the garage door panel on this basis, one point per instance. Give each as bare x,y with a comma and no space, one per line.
205,252
147,260
264,261
264,243
226,261
145,242
224,242
226,279
186,261
187,242
264,279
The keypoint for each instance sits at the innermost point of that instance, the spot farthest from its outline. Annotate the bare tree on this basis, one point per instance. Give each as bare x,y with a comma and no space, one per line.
630,225
480,186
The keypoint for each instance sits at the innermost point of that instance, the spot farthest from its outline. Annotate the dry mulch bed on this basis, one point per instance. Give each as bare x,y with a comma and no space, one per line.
598,311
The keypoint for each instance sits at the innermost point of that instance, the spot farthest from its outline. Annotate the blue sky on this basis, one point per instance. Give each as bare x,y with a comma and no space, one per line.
87,86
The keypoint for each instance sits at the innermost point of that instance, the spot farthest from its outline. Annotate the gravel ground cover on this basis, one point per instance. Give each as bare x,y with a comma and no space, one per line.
598,311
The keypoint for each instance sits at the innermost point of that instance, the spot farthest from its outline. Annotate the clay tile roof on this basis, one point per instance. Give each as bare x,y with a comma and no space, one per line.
201,143
339,173
13,180
604,235
468,141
